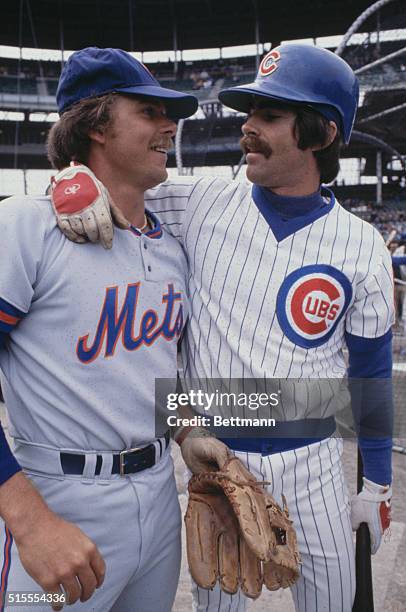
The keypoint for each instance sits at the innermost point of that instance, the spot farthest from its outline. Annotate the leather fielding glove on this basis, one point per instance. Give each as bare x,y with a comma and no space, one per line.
372,506
83,207
282,570
230,536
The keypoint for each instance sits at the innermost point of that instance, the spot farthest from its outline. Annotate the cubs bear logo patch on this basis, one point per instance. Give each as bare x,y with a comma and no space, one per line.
311,302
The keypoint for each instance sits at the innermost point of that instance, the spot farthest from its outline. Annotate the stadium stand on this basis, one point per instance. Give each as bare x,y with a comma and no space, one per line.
25,75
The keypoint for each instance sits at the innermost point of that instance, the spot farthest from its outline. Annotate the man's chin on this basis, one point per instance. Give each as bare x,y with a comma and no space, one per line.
257,177
158,177
164,175
254,176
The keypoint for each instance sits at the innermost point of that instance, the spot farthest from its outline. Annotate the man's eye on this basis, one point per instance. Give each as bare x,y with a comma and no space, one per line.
152,111
271,116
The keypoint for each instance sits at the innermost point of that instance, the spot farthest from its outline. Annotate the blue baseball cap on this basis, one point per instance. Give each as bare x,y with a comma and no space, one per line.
92,72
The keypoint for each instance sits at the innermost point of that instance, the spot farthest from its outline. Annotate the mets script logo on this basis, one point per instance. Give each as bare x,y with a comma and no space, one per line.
115,323
72,189
311,302
269,63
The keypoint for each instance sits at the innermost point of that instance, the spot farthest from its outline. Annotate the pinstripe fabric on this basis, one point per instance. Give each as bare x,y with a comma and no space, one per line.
311,478
237,270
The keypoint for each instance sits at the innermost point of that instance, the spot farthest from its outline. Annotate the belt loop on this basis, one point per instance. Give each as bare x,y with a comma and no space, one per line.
106,466
89,469
161,444
158,449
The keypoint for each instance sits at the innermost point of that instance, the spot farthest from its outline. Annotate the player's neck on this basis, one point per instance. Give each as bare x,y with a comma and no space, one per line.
302,189
302,183
130,201
126,196
294,193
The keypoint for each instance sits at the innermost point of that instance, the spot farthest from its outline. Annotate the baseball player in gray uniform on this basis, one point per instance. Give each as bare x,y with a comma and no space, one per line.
282,280
83,335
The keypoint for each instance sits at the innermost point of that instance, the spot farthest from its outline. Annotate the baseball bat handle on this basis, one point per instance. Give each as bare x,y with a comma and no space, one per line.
364,595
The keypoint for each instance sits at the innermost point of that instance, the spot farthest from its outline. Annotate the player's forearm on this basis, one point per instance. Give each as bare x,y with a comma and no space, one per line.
377,459
54,552
21,506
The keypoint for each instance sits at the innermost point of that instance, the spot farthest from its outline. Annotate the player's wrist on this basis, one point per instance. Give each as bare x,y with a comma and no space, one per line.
188,431
382,492
21,506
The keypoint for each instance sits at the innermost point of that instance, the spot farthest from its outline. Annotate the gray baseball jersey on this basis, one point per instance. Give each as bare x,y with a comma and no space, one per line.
83,333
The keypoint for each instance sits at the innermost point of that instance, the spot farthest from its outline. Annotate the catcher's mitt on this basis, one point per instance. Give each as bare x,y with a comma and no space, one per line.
238,535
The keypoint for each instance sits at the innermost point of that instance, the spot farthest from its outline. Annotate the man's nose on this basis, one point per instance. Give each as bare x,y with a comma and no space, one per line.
169,127
250,127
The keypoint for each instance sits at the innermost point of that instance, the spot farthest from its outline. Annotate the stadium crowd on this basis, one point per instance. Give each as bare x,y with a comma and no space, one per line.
386,218
390,220
199,74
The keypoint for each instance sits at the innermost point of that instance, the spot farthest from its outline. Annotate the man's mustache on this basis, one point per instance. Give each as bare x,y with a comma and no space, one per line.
253,144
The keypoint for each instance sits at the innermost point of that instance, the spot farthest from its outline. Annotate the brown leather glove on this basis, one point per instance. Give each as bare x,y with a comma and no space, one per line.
230,537
283,568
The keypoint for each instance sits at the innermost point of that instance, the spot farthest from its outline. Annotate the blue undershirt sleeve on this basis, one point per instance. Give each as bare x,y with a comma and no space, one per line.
3,337
9,318
399,260
370,374
8,463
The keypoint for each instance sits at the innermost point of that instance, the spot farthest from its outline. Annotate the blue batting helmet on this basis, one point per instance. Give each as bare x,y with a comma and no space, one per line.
302,74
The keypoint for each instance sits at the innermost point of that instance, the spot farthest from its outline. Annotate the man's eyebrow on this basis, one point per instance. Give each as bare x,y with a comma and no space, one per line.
271,106
150,100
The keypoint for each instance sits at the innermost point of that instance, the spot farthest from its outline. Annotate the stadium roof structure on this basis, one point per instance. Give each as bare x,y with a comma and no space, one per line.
27,87
154,25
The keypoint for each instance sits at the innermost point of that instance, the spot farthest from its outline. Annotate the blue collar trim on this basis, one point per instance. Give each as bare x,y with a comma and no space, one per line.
286,215
155,232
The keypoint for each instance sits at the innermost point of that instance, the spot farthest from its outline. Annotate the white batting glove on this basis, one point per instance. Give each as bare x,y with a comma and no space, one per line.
83,207
372,506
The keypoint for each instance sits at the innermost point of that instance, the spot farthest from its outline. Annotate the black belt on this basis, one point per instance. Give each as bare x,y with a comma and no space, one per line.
127,462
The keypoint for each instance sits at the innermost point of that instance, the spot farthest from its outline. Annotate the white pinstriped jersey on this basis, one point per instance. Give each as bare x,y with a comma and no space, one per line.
88,330
268,309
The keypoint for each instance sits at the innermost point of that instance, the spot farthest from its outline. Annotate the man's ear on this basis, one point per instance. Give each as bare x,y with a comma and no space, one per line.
331,134
97,136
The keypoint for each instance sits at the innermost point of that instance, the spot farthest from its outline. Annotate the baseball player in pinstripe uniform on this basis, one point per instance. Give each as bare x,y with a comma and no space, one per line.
282,280
83,334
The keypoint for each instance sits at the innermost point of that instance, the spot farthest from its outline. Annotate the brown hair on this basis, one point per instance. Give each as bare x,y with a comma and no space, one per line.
312,130
68,139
